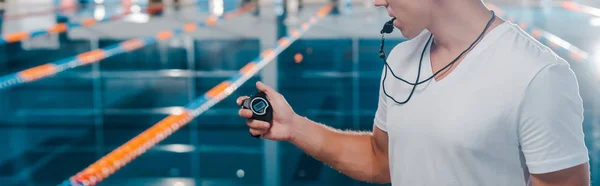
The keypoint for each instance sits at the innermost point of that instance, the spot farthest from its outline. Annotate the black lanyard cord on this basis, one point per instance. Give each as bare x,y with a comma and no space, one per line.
388,27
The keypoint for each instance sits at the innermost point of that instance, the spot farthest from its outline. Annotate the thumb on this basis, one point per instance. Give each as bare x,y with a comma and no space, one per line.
266,89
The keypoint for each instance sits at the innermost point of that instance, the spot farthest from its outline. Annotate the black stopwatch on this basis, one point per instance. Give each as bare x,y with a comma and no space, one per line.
260,107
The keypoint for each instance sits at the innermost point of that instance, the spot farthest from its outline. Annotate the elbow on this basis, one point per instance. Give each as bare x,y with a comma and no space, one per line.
372,173
381,178
381,181
376,178
377,173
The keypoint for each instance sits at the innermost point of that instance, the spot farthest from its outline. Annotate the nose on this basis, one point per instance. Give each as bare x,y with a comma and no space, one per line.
380,3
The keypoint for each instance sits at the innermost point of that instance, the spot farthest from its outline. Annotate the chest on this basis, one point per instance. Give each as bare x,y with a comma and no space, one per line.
470,114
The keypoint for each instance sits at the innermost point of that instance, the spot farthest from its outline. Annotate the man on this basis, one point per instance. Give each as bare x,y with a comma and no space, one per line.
507,113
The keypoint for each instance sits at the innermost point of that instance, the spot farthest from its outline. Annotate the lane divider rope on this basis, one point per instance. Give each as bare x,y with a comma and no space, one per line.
50,11
551,40
57,10
573,6
50,69
37,13
133,148
63,27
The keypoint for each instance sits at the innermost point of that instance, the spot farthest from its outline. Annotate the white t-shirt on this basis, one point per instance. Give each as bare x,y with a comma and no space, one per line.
510,108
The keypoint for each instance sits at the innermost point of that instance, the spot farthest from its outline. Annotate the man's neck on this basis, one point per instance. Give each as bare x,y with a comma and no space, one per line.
457,25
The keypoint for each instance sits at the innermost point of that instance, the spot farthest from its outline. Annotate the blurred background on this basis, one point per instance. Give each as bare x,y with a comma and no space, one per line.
54,125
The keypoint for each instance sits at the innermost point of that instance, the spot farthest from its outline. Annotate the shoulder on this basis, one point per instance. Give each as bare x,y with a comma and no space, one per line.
537,70
524,58
521,49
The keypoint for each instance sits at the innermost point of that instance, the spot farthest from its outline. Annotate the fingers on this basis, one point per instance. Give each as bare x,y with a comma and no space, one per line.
257,128
258,125
255,133
240,99
253,124
245,113
266,89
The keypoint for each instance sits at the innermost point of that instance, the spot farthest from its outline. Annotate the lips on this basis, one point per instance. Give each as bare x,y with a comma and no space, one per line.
396,23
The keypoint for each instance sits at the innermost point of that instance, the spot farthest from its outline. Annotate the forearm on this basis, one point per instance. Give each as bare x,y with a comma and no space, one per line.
351,153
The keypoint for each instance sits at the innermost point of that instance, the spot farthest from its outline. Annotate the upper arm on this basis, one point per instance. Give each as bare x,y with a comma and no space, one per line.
550,126
573,176
380,119
380,150
379,141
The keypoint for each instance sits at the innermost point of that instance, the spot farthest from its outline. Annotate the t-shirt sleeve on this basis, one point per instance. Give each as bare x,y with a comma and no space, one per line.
550,121
381,113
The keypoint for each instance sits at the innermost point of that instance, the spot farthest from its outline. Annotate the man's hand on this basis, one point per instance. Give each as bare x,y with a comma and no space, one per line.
359,155
283,116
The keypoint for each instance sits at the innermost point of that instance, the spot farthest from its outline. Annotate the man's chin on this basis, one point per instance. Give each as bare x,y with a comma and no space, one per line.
405,34
410,34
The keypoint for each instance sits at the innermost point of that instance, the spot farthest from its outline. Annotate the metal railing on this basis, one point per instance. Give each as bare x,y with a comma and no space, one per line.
49,69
